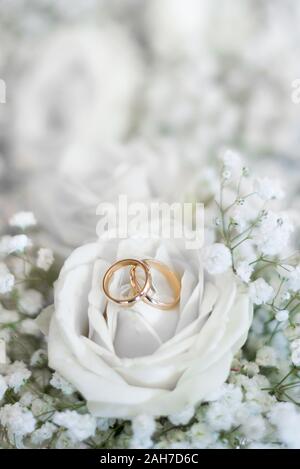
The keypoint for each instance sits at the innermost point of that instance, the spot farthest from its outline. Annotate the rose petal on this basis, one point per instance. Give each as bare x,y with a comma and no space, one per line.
44,318
105,387
134,336
97,303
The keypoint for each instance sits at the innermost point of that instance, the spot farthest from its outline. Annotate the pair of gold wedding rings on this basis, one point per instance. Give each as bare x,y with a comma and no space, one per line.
143,290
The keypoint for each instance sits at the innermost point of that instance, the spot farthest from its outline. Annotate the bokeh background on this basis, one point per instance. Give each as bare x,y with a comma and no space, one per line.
147,88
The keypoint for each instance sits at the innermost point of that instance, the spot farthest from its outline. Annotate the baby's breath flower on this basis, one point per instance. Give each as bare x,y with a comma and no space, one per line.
183,417
180,445
22,220
260,291
19,243
251,368
29,327
45,259
79,426
202,435
31,302
231,159
285,296
240,202
285,417
65,441
60,383
104,424
217,258
42,407
293,282
295,344
239,219
27,398
268,189
221,414
245,171
5,245
296,356
17,420
16,375
7,280
282,315
219,417
45,432
273,233
143,427
267,357
254,427
244,270
226,174
3,387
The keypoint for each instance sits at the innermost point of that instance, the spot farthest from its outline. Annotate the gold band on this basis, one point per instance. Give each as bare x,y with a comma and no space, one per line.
139,294
172,278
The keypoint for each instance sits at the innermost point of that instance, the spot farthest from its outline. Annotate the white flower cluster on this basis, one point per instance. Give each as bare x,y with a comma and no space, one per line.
7,280
295,348
23,220
256,408
45,259
59,382
14,244
143,428
15,375
242,414
17,420
217,259
80,427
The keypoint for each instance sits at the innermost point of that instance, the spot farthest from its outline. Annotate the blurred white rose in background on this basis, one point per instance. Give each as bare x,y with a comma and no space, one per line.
65,200
79,81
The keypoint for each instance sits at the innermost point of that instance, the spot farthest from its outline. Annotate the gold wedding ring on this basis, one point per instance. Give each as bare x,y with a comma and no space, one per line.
171,277
138,294
145,292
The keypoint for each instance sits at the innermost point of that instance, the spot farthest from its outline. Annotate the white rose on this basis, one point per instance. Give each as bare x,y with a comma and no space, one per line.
91,173
143,360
